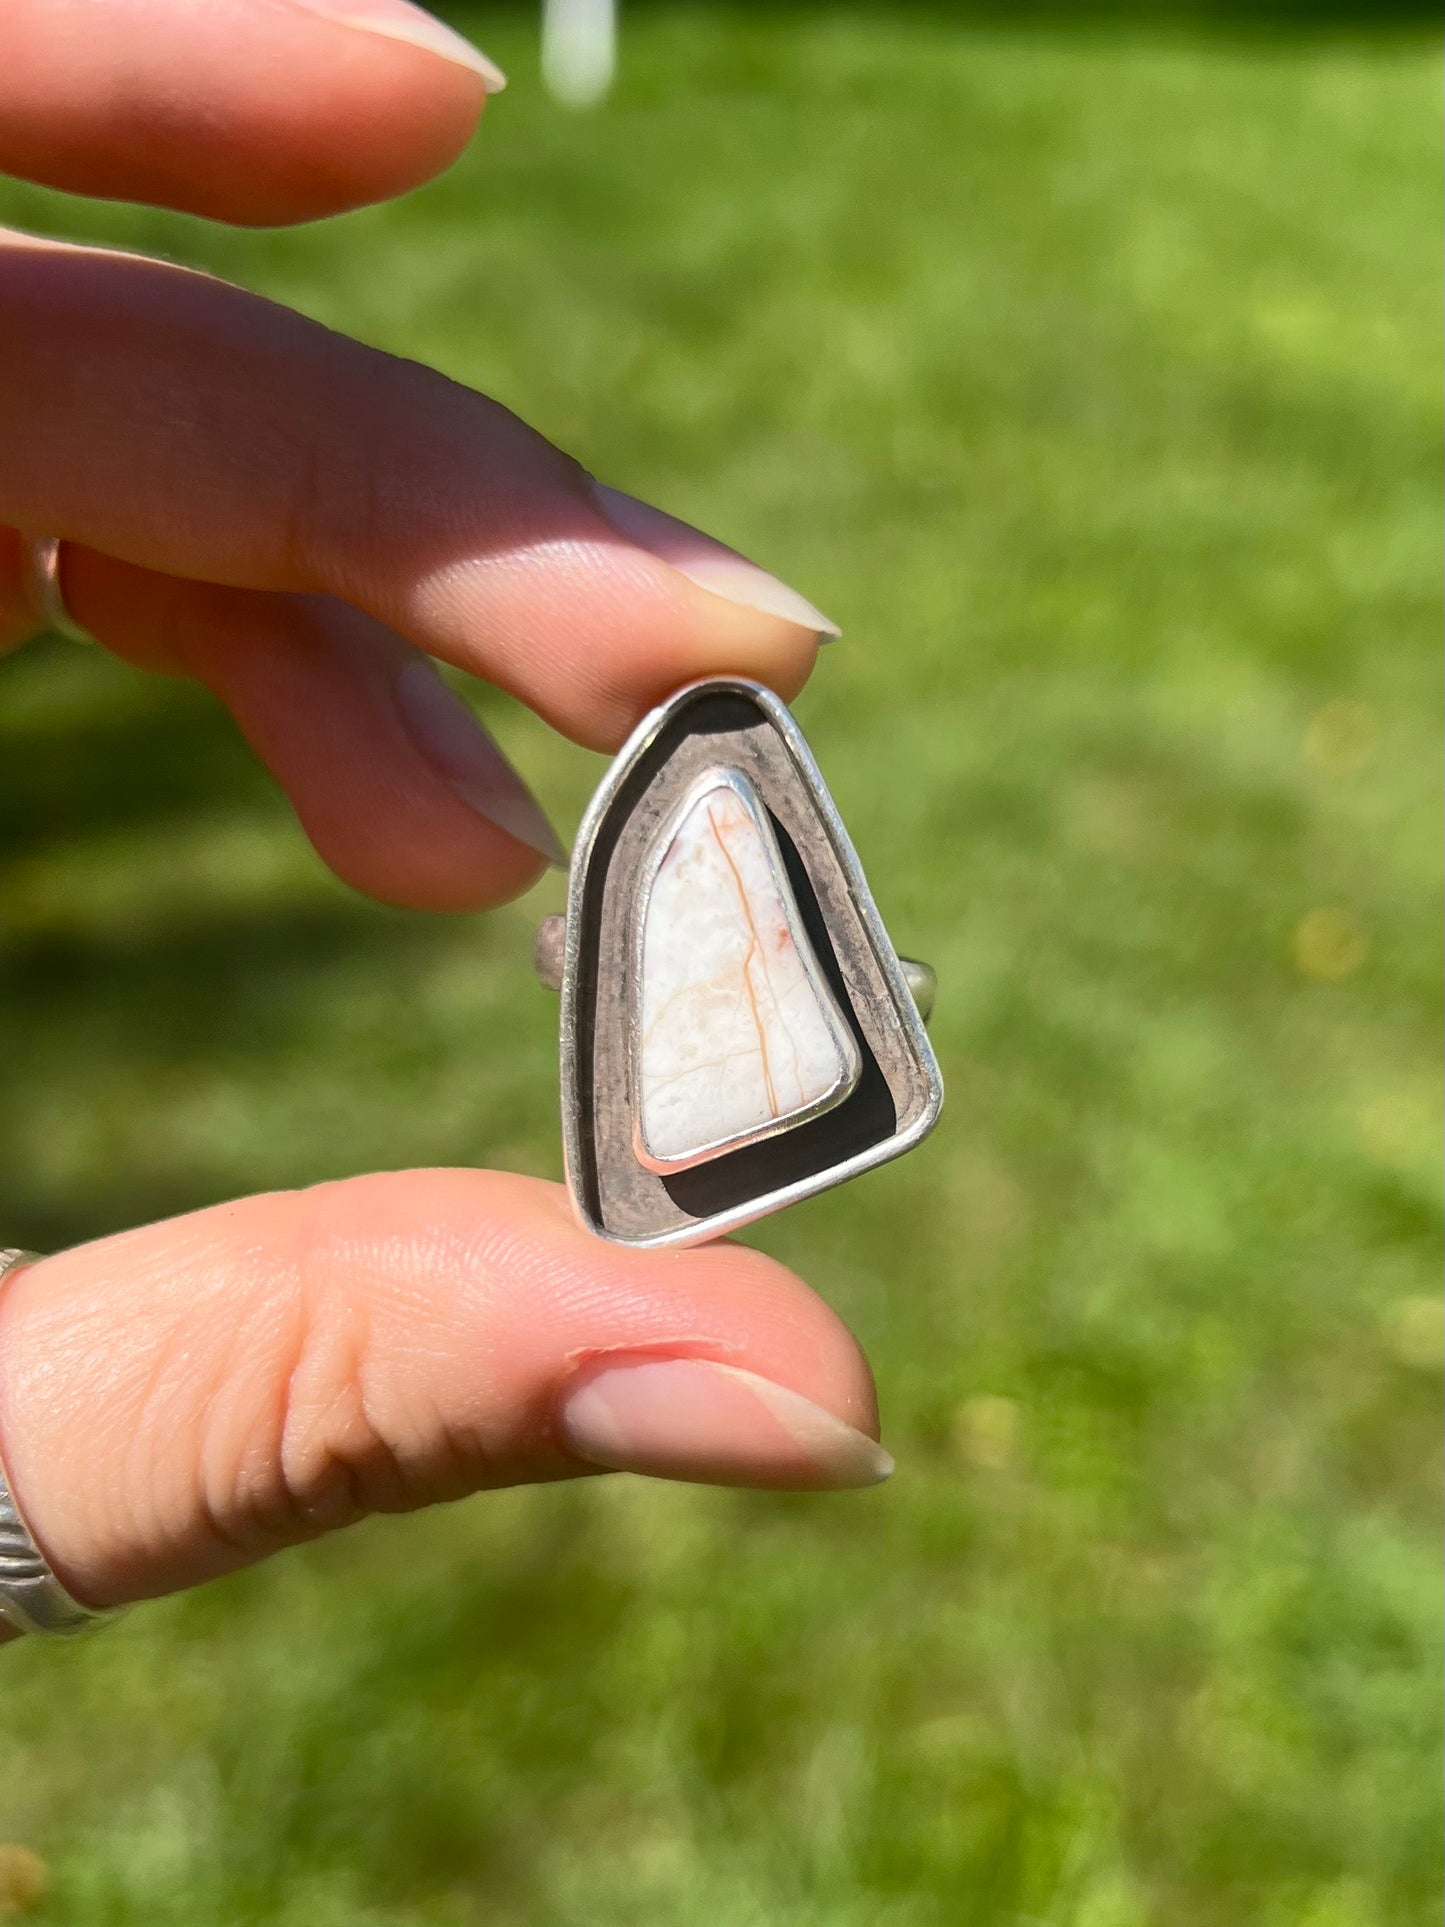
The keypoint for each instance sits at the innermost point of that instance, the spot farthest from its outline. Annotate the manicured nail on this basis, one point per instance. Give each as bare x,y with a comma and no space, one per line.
707,562
689,1418
450,738
399,20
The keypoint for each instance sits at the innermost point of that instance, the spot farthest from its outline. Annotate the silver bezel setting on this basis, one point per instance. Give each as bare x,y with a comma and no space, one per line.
716,778
615,1195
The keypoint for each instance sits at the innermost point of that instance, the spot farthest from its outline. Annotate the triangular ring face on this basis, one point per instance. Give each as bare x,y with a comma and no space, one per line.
736,1030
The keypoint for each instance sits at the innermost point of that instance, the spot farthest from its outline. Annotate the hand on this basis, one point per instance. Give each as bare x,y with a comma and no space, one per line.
301,523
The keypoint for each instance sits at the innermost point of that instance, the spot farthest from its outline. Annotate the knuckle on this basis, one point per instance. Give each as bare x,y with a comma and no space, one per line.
340,1453
342,509
303,1437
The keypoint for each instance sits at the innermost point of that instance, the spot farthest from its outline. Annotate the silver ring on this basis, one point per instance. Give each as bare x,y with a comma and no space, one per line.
737,1030
32,1599
550,947
46,590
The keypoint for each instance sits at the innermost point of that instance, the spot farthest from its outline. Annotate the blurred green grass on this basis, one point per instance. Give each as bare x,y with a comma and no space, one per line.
1089,382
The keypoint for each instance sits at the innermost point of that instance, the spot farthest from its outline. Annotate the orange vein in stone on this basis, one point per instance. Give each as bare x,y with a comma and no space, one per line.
754,947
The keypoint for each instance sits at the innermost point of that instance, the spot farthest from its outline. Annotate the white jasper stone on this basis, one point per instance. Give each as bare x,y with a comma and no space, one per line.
737,1029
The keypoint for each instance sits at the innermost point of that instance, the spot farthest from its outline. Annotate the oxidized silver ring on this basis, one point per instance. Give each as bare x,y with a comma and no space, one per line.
45,588
737,1030
32,1599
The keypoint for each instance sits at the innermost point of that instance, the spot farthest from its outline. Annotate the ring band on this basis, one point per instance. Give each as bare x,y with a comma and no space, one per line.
32,1599
46,591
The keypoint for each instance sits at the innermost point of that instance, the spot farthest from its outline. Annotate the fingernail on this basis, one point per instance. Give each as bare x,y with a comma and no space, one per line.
689,1418
450,738
399,20
707,562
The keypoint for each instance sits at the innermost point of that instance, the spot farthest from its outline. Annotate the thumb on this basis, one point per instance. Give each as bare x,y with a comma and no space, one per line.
187,1398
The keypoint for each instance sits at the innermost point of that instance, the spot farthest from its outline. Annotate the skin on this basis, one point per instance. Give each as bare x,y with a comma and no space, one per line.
287,516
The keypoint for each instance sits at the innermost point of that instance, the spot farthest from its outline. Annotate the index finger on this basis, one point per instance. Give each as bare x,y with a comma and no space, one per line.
176,422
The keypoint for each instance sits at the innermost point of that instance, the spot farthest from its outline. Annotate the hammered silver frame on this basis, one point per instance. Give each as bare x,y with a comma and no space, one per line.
617,1197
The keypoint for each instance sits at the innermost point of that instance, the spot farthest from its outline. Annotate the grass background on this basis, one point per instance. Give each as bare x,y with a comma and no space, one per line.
1088,378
